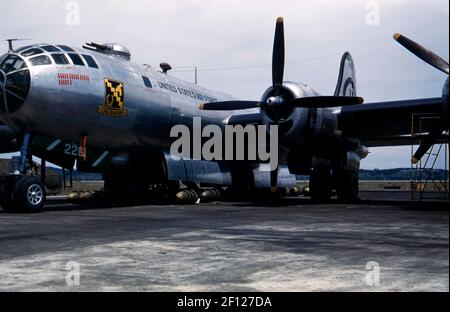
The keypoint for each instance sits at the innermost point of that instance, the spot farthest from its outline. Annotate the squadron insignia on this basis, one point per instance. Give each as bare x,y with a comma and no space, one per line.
114,95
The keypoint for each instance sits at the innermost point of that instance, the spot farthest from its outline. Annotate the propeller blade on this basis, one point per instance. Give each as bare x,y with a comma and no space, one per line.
274,180
278,54
423,53
326,101
229,105
430,139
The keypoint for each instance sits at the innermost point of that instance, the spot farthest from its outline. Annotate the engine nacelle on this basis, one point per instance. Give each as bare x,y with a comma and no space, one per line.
445,102
300,126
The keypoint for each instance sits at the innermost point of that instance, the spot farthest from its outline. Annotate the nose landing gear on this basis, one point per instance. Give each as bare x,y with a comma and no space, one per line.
20,192
23,194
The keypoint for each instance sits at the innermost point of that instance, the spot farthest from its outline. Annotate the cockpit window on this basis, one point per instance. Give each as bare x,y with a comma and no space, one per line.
66,48
90,61
40,60
12,63
147,82
18,83
50,48
13,101
76,59
15,78
60,59
32,51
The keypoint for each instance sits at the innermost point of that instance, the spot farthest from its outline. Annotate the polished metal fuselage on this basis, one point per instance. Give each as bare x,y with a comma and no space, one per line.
64,100
68,111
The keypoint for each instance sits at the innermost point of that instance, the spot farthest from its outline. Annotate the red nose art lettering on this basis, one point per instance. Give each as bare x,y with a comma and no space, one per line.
65,79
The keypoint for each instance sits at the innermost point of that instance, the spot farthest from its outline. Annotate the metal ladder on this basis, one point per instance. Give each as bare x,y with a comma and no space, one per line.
424,174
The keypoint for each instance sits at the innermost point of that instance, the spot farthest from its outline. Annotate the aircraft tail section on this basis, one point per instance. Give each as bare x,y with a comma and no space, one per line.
346,85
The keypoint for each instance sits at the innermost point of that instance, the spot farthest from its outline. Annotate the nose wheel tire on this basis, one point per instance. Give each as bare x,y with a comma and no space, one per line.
30,194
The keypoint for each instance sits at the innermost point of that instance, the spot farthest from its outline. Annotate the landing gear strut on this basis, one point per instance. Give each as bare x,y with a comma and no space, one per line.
323,180
347,185
320,183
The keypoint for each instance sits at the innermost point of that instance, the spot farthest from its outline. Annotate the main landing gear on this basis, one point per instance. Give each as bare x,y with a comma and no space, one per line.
320,183
347,185
20,192
324,180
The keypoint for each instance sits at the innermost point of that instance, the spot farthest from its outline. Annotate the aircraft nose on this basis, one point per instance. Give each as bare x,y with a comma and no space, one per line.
14,83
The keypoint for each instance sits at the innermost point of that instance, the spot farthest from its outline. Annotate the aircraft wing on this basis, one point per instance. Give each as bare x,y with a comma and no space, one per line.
389,123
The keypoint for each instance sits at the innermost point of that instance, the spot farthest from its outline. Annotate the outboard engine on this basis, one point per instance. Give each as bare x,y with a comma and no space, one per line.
445,102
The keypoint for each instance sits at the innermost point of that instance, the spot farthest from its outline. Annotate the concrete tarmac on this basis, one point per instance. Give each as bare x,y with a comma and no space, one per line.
286,245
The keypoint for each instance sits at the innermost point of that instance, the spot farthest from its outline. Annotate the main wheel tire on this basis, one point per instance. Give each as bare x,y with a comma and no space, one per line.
29,194
347,186
320,184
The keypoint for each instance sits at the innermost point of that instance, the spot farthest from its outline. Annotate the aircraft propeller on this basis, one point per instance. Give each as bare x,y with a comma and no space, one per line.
277,101
436,61
423,53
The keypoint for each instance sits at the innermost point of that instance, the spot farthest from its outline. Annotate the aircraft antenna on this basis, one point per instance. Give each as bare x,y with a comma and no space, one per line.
10,43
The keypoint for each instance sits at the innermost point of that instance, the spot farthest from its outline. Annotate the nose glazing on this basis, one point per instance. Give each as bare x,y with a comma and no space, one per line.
2,95
14,83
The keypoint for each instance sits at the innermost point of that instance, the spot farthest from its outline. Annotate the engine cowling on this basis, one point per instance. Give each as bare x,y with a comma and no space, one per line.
445,102
298,126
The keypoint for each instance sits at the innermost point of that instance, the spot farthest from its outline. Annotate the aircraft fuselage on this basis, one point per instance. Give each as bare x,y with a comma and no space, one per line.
70,100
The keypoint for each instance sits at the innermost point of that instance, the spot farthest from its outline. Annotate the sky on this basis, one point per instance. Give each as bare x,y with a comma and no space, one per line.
230,41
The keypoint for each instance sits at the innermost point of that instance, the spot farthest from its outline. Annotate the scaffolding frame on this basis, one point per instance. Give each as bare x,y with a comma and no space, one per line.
423,174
